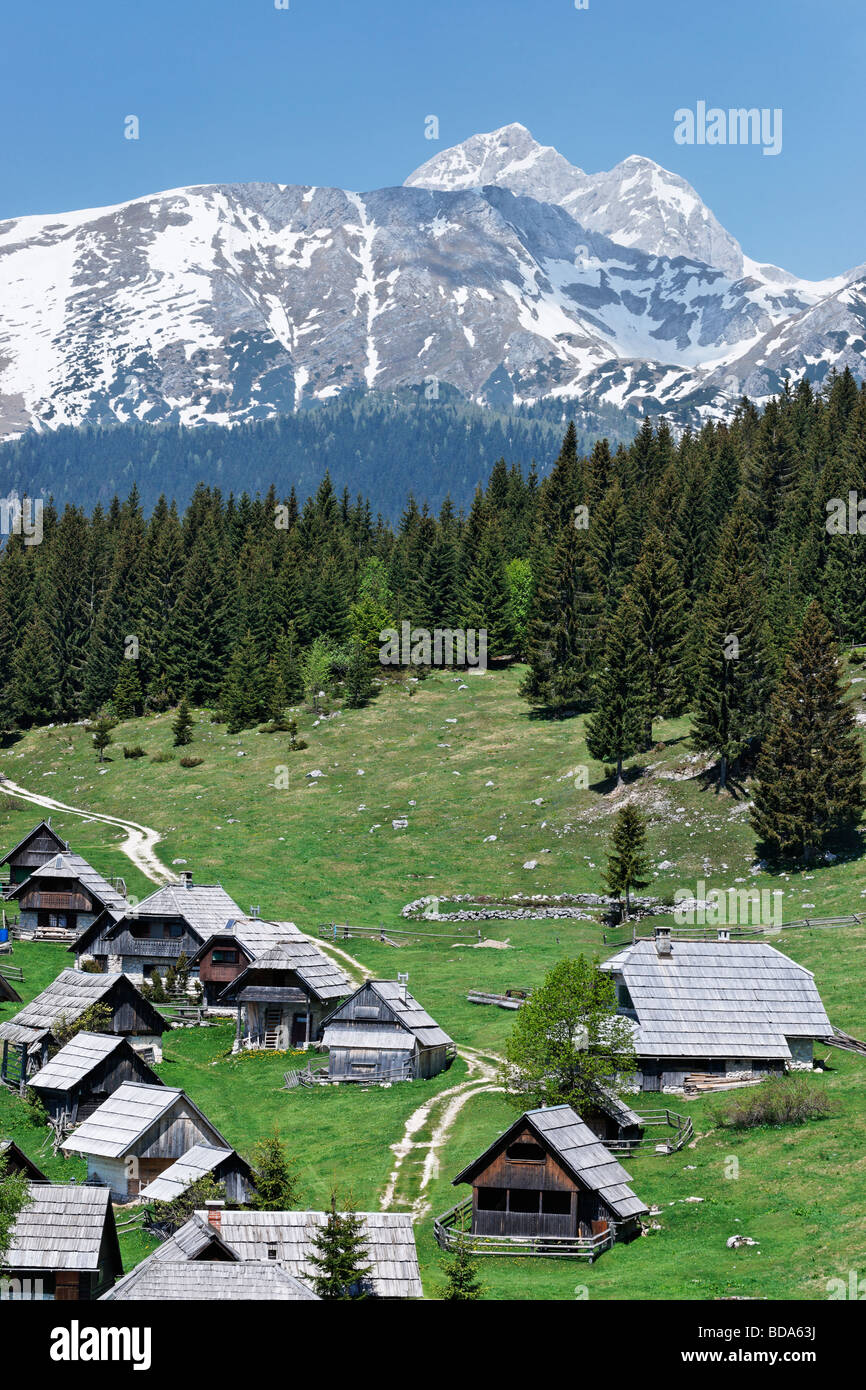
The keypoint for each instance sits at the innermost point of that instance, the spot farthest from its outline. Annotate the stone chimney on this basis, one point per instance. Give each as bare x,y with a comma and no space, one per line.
186,878
255,911
724,934
215,1213
663,941
403,981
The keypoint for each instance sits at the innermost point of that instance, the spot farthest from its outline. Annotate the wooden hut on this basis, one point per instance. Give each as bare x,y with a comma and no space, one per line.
26,1039
226,954
38,846
382,1033
8,993
64,1245
137,1134
65,894
15,1160
730,1010
86,1072
203,1161
283,995
550,1177
175,920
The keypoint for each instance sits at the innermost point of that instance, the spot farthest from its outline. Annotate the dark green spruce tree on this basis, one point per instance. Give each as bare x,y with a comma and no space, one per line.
617,727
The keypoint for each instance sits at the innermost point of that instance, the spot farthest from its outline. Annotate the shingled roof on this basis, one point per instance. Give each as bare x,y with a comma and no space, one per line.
121,1120
70,865
67,997
390,1245
206,906
317,971
252,934
407,1013
561,1130
206,1280
74,1062
62,1227
719,999
196,1163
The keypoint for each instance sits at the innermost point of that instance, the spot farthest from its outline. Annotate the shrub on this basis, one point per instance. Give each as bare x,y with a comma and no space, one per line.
191,762
136,752
91,967
162,758
780,1100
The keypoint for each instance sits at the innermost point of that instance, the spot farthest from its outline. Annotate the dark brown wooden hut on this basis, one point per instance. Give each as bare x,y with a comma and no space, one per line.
86,1072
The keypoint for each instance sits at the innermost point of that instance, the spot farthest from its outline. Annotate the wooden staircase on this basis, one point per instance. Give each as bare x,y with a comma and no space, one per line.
272,1028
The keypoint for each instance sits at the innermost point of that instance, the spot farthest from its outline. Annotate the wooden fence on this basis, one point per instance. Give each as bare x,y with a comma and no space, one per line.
681,1125
453,1227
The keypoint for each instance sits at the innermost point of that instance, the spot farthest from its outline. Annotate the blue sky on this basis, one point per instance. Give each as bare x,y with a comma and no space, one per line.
336,92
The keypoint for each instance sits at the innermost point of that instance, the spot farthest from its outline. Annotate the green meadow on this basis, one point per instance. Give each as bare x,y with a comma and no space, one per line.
464,766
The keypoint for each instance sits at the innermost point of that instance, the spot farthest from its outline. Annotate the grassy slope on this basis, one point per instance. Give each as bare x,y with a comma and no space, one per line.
308,853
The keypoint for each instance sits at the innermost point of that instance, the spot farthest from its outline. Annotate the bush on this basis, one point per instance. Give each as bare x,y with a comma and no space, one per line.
780,1100
191,762
91,967
162,758
136,752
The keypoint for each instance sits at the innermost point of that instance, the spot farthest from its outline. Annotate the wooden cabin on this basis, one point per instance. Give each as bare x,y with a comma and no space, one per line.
732,1010
64,1246
226,954
381,1033
137,1134
173,921
283,996
8,992
15,1160
203,1161
38,846
65,894
86,1072
28,1037
612,1119
550,1176
197,1264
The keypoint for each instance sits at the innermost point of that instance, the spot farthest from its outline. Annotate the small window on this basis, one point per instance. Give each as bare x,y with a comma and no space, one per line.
491,1198
225,957
556,1203
525,1152
139,930
523,1199
272,1252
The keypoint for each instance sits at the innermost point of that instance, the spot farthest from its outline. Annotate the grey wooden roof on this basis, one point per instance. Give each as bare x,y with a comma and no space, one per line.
406,1011
43,825
196,1163
61,1227
252,934
195,1238
66,997
369,1036
206,906
208,1281
390,1249
71,865
719,999
18,1162
580,1152
126,1116
74,1062
304,958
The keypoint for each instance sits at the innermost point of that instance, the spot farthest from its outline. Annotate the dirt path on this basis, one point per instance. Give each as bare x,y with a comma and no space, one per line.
140,842
443,1110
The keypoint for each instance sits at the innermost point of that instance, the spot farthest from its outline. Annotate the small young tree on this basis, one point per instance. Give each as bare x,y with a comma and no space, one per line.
316,670
95,1019
182,725
627,863
568,1040
359,686
14,1197
461,1275
338,1251
275,1176
102,735
127,698
182,972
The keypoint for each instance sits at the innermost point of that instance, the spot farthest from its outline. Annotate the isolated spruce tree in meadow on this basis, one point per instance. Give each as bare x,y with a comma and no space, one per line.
357,682
809,782
733,665
616,728
182,725
627,862
102,735
567,1040
127,698
339,1256
461,1275
275,1176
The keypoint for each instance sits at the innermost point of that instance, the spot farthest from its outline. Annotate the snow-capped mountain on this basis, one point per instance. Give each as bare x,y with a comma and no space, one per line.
498,268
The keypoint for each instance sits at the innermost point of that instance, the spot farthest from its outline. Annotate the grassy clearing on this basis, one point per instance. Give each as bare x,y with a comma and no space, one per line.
310,853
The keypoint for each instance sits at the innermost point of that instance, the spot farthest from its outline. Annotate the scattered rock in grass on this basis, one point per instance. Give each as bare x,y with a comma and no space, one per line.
531,864
735,1242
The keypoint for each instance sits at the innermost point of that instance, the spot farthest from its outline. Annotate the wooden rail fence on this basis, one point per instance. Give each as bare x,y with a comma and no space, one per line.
453,1228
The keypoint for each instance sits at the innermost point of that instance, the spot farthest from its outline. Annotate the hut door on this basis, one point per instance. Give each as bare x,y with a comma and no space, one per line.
299,1030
